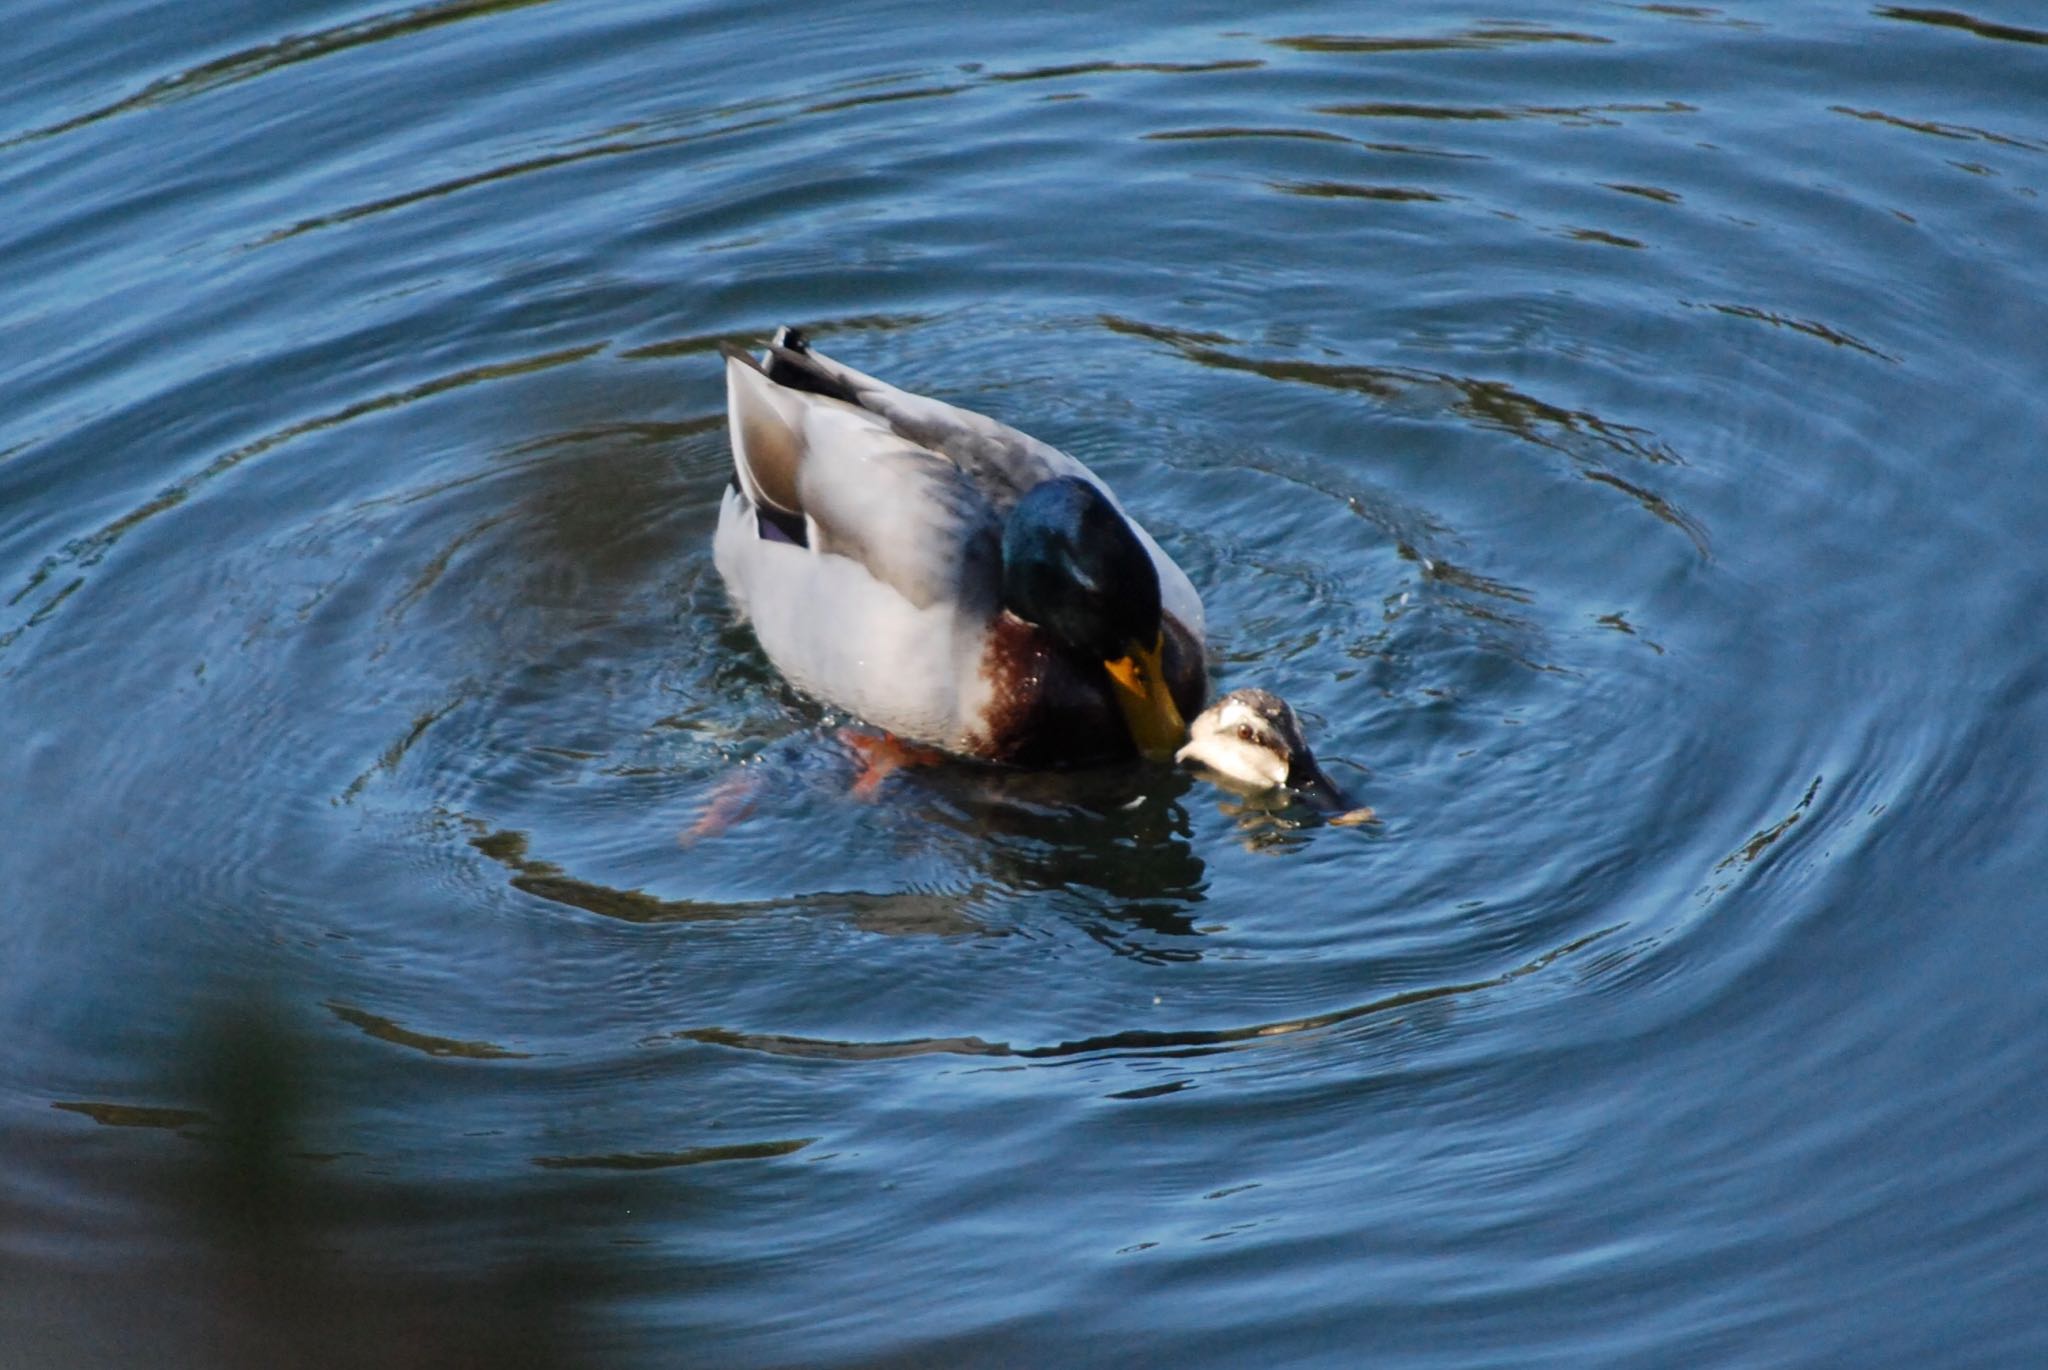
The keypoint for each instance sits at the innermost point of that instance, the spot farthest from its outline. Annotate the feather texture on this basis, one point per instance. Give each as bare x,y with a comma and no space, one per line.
863,540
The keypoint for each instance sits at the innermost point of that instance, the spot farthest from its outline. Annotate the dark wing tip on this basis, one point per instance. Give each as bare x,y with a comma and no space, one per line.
789,363
798,369
788,339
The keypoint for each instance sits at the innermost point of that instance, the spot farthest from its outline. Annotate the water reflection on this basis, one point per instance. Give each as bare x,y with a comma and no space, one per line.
1100,68
366,618
1589,440
266,58
1494,35
132,1115
906,912
1352,190
1279,823
1811,328
1114,847
670,1160
1938,129
1968,23
89,550
385,1030
1146,1043
1568,115
1118,832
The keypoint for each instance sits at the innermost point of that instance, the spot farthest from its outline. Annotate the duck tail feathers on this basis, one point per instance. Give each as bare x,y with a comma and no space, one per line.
790,361
766,427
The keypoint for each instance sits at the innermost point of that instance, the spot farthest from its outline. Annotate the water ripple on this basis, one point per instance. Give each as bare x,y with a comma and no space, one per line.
365,656
1143,1043
91,548
1496,35
265,59
1968,23
1575,433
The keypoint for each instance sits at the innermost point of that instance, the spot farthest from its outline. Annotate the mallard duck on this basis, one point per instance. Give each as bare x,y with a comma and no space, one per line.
946,577
1250,740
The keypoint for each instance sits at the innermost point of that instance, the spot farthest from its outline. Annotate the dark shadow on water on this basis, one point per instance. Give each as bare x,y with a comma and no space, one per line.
272,1255
1117,831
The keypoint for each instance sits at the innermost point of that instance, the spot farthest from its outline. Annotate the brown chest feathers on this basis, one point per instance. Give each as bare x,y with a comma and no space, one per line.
1051,709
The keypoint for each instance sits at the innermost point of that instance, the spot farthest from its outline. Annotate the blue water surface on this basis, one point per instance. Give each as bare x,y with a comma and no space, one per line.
433,935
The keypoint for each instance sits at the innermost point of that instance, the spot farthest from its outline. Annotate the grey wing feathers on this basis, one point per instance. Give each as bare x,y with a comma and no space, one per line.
1001,460
913,520
999,463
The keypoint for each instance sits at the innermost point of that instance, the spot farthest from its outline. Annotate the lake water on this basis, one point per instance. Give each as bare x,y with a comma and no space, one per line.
1618,428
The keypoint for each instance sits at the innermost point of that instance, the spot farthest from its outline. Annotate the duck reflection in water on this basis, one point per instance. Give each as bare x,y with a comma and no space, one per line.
1117,830
1249,742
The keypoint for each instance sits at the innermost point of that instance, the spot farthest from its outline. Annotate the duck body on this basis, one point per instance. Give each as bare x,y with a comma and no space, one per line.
946,577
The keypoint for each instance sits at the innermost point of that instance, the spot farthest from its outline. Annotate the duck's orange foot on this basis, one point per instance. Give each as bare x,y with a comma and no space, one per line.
881,756
732,799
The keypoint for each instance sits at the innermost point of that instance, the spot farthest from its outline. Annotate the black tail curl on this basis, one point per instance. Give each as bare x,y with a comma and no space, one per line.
790,363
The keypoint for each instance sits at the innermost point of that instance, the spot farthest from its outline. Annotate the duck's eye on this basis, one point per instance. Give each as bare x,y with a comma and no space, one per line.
1245,733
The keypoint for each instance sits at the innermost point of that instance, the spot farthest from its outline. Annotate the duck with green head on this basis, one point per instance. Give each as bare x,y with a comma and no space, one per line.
946,577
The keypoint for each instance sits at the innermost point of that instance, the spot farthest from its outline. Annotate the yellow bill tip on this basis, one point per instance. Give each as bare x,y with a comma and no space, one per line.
1157,728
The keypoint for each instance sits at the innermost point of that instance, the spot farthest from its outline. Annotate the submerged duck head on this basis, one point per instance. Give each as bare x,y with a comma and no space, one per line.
1073,567
1251,740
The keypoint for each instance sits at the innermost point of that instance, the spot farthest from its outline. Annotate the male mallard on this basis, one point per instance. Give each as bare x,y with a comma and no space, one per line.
945,576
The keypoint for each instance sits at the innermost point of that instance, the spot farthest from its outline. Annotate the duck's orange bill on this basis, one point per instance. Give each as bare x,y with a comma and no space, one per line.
1149,711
